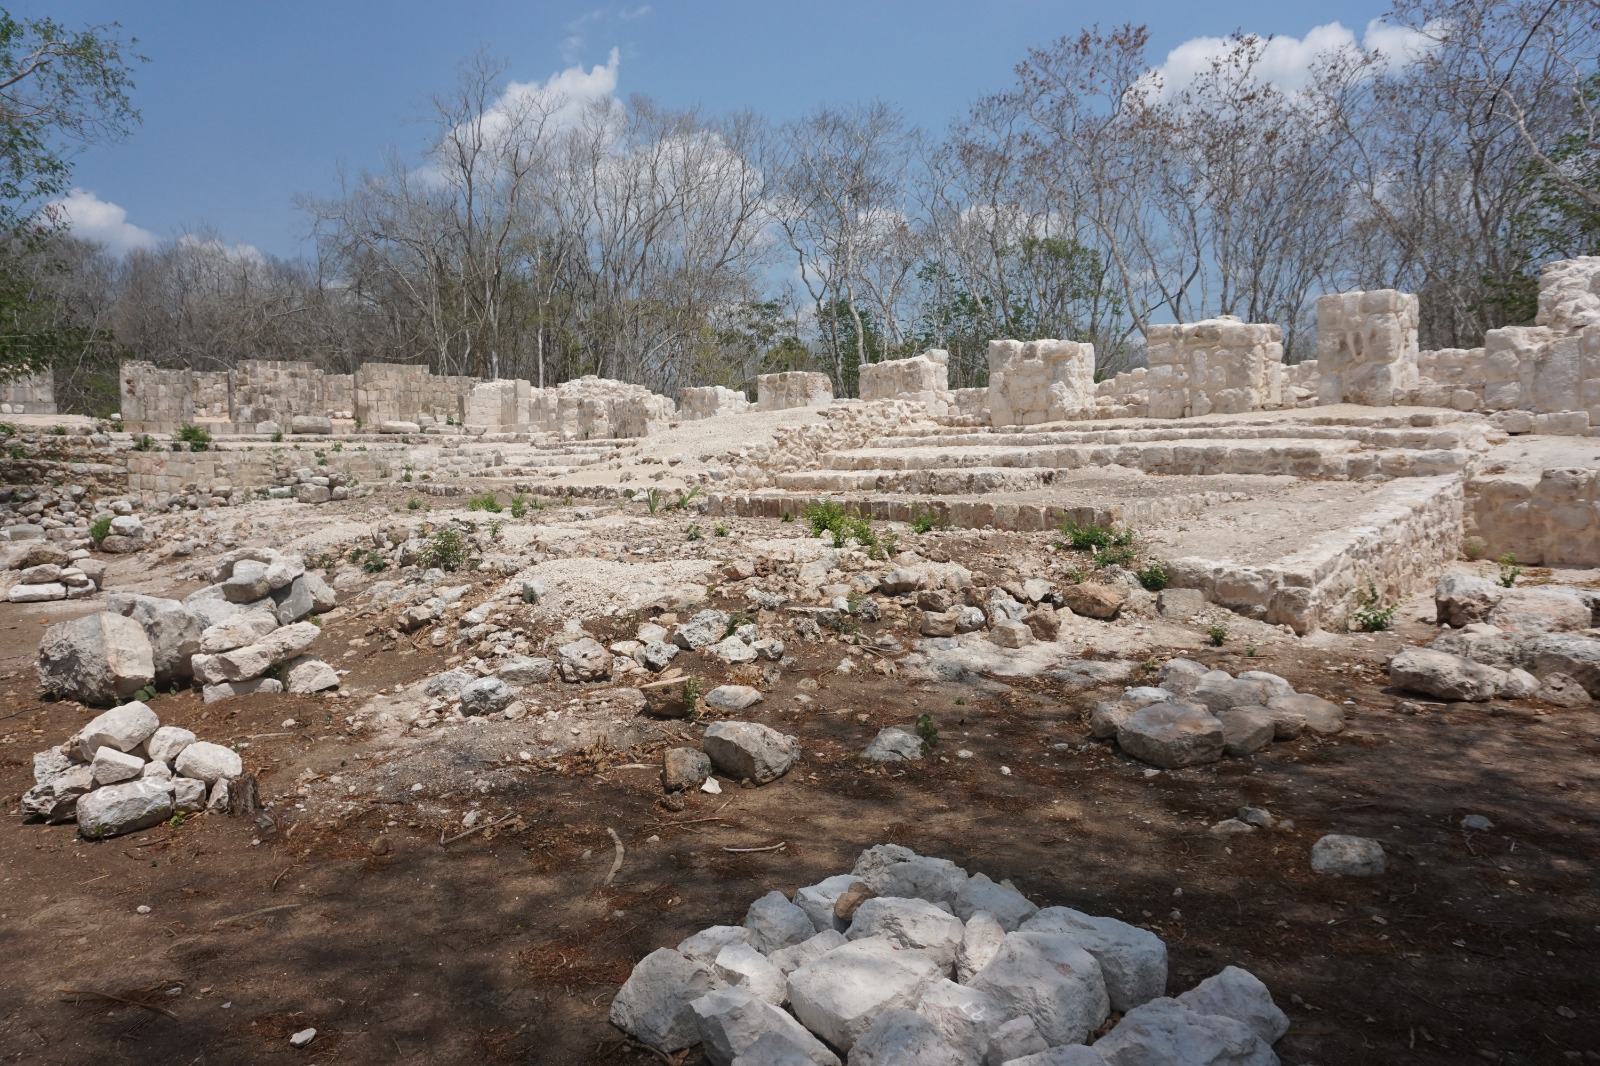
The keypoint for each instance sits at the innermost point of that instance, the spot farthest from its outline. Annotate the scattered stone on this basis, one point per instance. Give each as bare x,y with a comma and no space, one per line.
110,766
653,1005
123,808
750,751
1163,1031
583,660
306,675
1094,600
304,1037
1246,730
1349,856
96,659
486,695
1133,961
1050,979
894,744
1172,735
1444,676
1008,634
121,729
776,923
1240,995
730,698
1180,603
683,768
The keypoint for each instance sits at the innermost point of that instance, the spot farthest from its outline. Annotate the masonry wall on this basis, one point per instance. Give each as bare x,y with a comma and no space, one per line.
922,378
795,388
1216,366
708,401
1548,518
32,394
1367,347
1040,381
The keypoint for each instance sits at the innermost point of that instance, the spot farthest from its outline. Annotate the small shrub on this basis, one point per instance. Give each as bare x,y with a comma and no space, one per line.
652,500
691,697
406,477
1510,570
1217,635
413,504
60,431
685,497
1154,576
338,445
928,732
100,529
277,438
190,433
1250,651
788,516
484,502
1116,555
693,532
445,549
144,443
720,530
927,521
1368,615
1094,537
519,506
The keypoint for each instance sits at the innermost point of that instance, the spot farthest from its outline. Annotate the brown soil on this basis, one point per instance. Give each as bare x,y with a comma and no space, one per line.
503,946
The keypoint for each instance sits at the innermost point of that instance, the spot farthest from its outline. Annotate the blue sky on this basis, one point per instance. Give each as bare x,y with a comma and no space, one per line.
247,105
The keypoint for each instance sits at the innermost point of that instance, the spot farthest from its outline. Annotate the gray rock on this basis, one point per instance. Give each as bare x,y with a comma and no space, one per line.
110,766
306,675
1014,1040
1171,735
919,877
817,901
914,924
1301,711
1050,979
525,670
878,858
1133,961
1066,1055
1009,634
583,660
188,795
770,1049
486,695
247,583
1180,603
1240,995
683,768
1576,657
750,751
790,959
1246,730
706,945
223,690
42,593
742,966
1460,600
123,808
1542,609
208,762
1003,902
253,660
653,1005
96,659
220,795
1445,676
838,995
776,923
237,631
733,650
302,597
1164,1031
1349,856
894,744
964,1016
449,684
1218,692
980,943
1181,676
56,798
902,1037
731,1021
121,728
728,698
656,655
701,630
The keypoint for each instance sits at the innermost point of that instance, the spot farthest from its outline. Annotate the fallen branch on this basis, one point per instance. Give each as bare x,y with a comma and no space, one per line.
116,999
779,846
468,832
616,864
220,922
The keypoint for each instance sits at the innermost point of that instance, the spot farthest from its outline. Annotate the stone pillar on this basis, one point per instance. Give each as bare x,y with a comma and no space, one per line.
1367,347
1040,381
1217,366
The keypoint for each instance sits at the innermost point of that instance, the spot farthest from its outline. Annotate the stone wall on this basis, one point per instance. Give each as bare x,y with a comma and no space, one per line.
1548,518
794,388
499,407
155,400
1367,347
273,391
1124,395
1040,381
1216,366
711,400
390,392
219,471
29,394
923,378
970,404
339,395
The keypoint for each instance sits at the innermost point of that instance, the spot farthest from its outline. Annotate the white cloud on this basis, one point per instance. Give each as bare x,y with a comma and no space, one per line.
213,248
576,28
1287,61
102,221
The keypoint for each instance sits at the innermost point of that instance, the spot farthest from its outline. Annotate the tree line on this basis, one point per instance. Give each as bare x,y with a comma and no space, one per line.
543,237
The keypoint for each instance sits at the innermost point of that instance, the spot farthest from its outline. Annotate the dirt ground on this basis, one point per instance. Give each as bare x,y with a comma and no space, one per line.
403,940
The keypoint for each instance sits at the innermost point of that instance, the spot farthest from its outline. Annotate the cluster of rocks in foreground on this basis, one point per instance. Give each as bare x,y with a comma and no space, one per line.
908,961
227,636
125,771
1508,643
48,572
1196,715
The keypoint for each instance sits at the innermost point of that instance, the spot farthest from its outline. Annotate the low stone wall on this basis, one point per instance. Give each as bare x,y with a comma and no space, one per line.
219,471
1124,395
1405,542
970,404
708,401
923,378
30,394
1548,518
794,388
1040,381
1216,366
1367,347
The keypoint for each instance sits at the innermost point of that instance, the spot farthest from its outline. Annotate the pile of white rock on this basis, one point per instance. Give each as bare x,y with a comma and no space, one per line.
47,572
125,771
311,485
1197,715
908,961
227,636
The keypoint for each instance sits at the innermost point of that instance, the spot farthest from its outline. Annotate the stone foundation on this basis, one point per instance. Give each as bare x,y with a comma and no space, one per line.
1548,518
711,400
1218,366
795,388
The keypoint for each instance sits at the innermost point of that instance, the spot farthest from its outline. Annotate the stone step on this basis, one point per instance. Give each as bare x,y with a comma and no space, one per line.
1473,436
938,481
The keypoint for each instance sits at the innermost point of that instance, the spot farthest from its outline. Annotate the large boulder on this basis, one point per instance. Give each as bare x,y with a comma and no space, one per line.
253,660
1299,711
585,659
1165,1031
1094,600
750,751
735,1024
1445,676
1132,960
775,923
96,659
915,924
305,675
1572,656
1542,609
124,808
302,597
653,1005
121,728
174,632
1007,906
208,762
1240,995
1171,735
1460,599
901,1037
1050,979
838,995
486,695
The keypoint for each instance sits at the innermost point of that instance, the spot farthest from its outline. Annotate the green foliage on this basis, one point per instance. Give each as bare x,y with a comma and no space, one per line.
1510,570
519,506
190,433
652,500
824,517
1217,635
370,560
60,431
1094,537
484,502
1154,576
927,521
928,732
277,437
691,696
685,497
100,529
1369,615
720,530
144,442
1116,555
445,549
787,516
413,504
693,532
